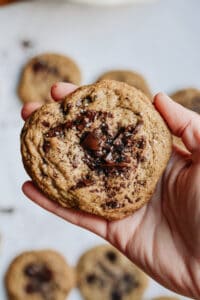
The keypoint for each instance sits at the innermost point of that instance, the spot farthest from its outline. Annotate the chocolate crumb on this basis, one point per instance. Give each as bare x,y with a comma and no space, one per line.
46,146
116,295
45,124
91,278
111,205
26,44
111,256
7,210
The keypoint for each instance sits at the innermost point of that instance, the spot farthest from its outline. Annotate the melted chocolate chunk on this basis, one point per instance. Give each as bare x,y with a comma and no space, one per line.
39,272
116,295
32,288
90,142
83,183
65,110
111,256
57,131
86,182
46,146
45,124
39,276
42,66
111,154
91,278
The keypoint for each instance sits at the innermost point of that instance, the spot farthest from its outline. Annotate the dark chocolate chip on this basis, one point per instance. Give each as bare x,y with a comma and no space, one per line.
127,283
116,295
91,142
42,66
117,165
26,44
57,131
129,200
91,278
84,182
39,66
31,288
46,146
111,256
68,125
40,272
45,124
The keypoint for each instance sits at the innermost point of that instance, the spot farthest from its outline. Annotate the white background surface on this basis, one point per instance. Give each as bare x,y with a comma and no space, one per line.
161,40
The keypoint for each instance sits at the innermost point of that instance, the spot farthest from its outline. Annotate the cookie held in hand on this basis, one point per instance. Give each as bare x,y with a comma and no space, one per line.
39,275
102,150
104,273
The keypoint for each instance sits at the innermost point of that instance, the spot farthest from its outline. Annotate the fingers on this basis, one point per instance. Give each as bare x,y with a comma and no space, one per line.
61,90
92,223
181,121
28,108
58,91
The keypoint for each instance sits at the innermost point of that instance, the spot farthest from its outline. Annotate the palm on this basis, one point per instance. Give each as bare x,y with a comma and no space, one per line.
161,227
162,237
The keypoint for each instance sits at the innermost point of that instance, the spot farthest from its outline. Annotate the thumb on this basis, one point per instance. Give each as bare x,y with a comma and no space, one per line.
181,121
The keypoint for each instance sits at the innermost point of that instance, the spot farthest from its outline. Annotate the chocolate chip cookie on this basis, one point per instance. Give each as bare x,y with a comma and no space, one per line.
42,71
190,98
102,150
104,273
39,275
129,77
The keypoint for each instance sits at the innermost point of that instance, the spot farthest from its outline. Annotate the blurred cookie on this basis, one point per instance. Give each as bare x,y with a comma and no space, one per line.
190,98
129,77
41,72
101,150
104,273
39,275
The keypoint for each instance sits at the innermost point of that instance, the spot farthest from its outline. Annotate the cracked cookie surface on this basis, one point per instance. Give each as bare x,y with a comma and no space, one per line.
41,72
104,273
102,150
39,275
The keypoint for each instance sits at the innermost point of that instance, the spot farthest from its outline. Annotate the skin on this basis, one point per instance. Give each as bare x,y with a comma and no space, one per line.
163,237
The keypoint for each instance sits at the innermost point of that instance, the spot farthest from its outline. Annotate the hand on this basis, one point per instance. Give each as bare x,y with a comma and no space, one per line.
163,237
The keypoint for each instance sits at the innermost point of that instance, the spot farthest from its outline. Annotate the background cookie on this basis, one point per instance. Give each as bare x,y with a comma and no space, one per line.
104,273
42,275
190,98
129,77
102,150
41,72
